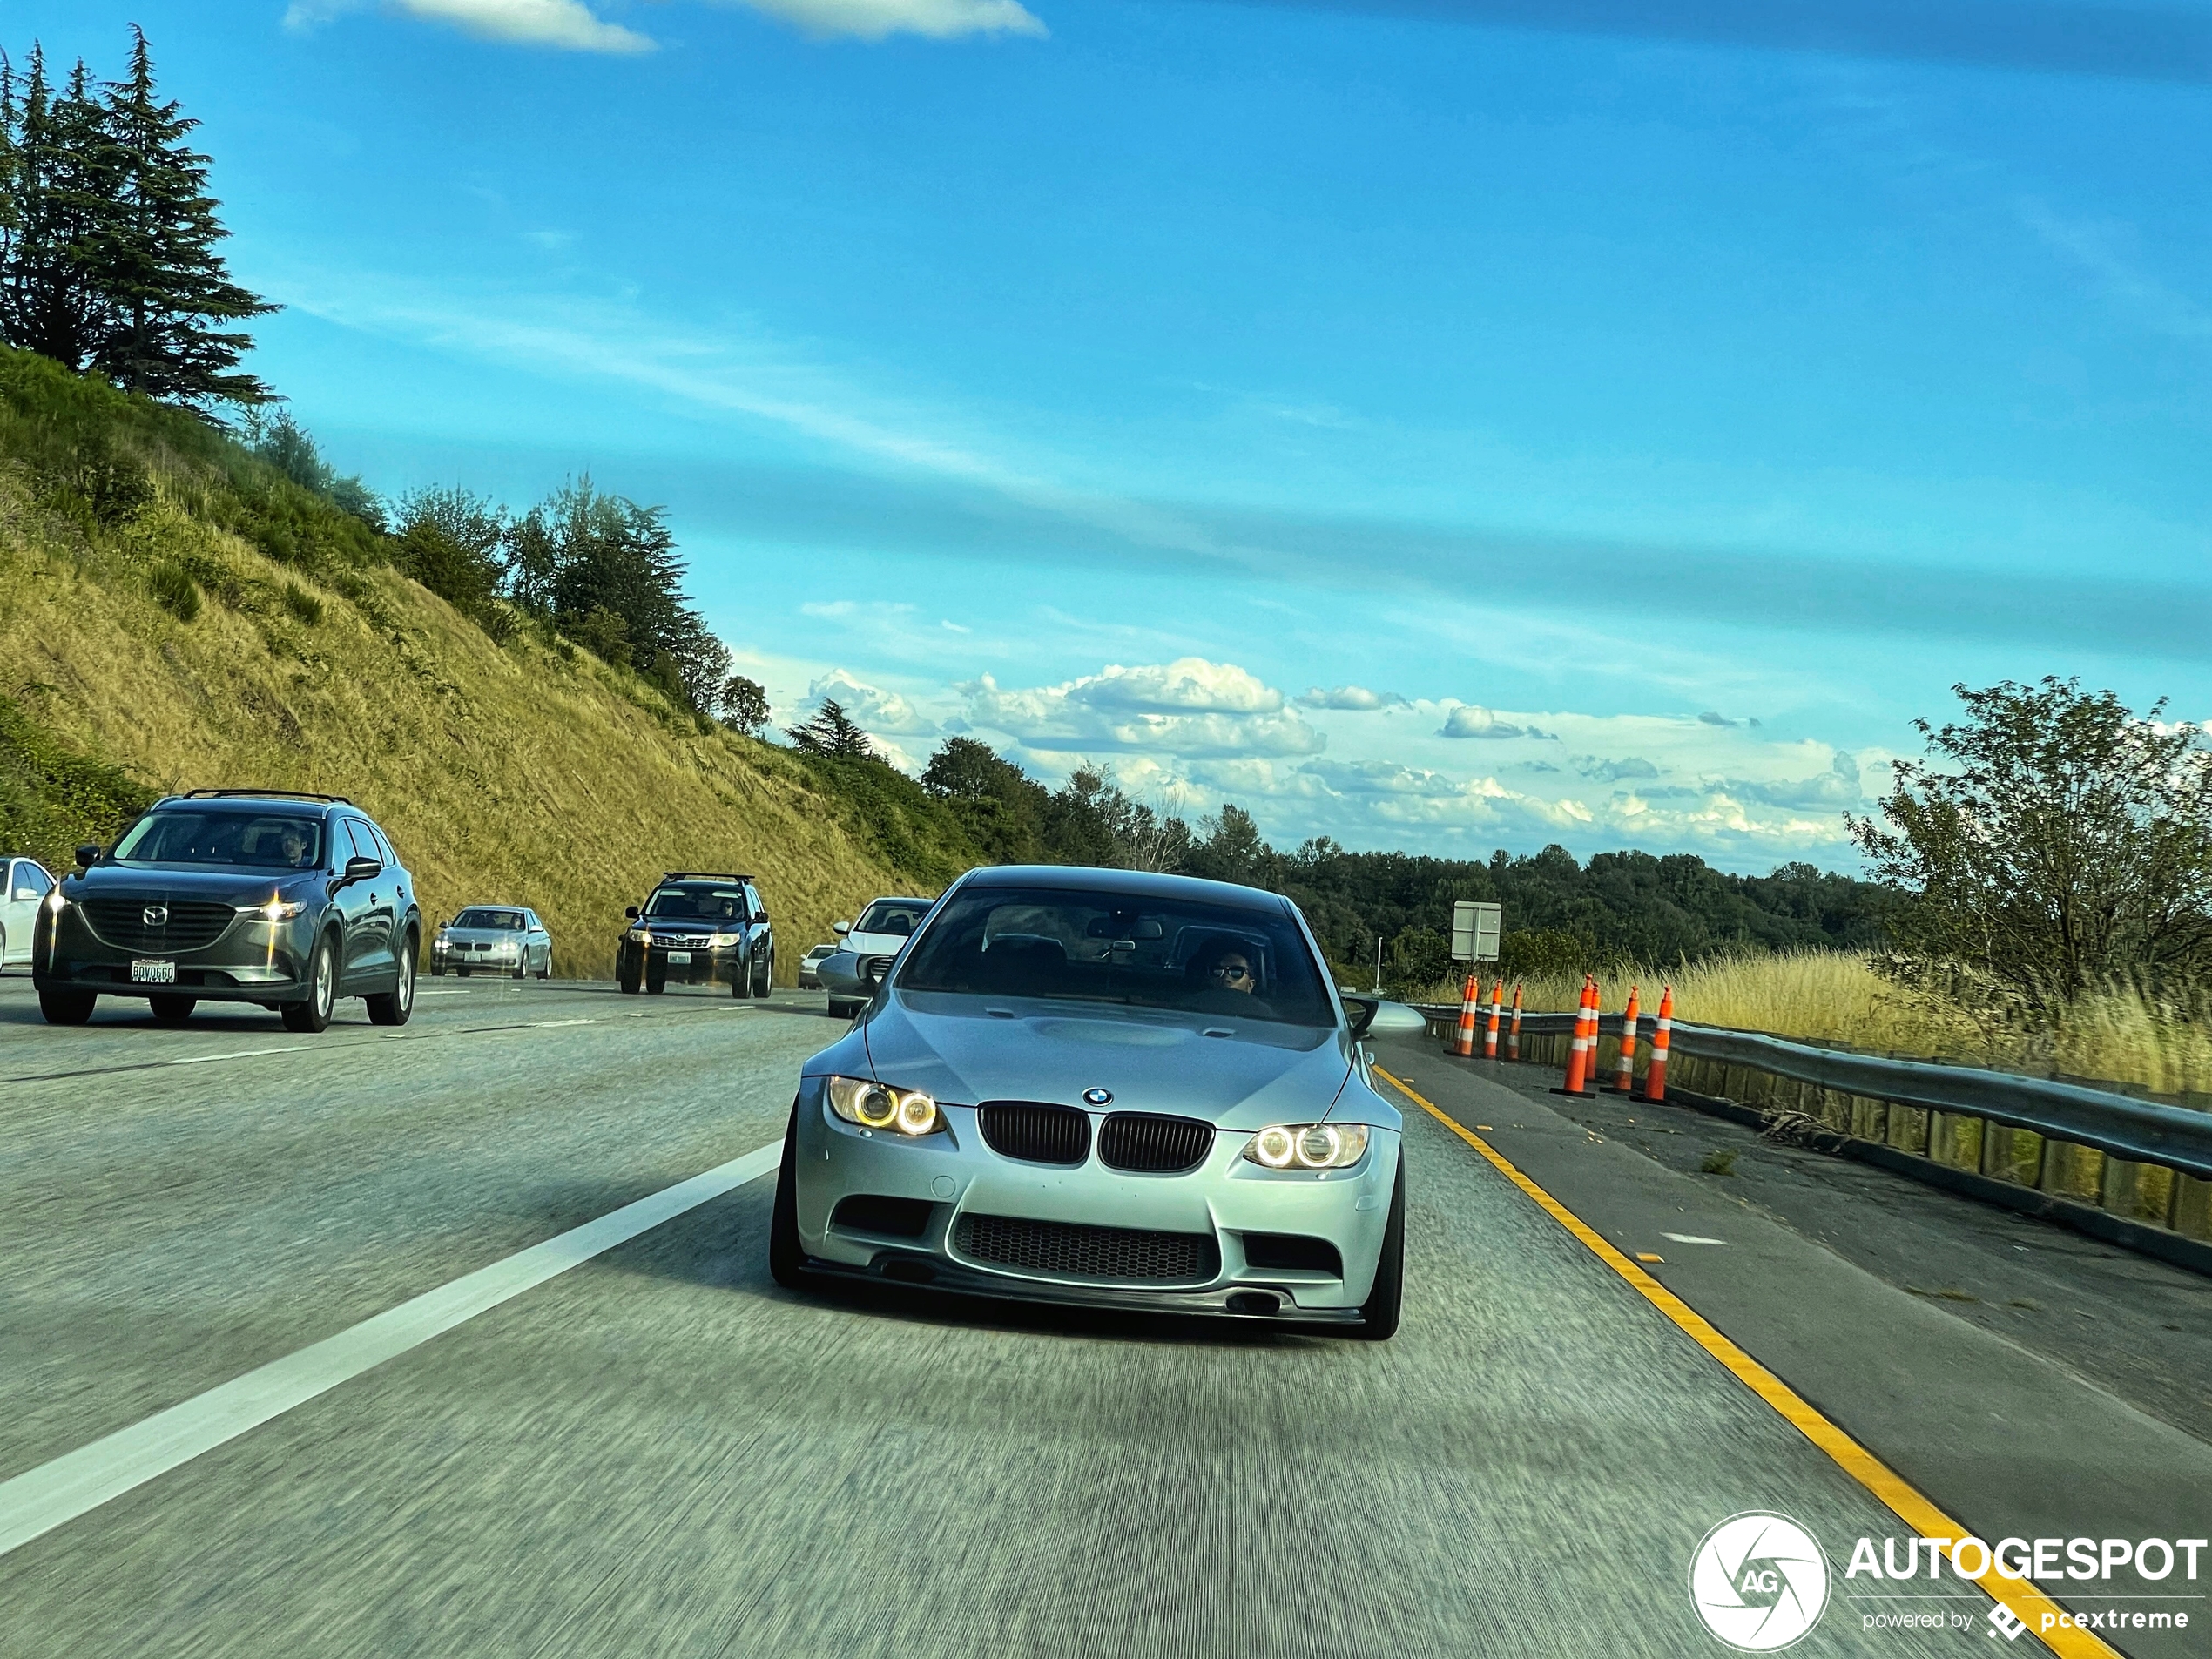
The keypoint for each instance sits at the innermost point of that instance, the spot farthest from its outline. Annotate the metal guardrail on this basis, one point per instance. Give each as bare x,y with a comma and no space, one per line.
2138,1130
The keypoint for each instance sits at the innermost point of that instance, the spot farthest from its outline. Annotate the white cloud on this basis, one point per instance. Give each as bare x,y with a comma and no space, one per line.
1473,720
568,25
1354,698
1190,707
1612,771
872,709
876,19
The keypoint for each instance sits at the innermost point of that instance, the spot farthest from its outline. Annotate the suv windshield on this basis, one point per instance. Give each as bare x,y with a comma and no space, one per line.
258,840
900,916
1105,948
506,922
701,903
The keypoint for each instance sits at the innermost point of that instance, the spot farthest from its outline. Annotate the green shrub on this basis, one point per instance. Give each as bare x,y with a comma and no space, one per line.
174,590
53,798
303,604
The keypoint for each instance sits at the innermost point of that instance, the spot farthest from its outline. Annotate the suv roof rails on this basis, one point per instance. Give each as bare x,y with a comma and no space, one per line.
262,794
703,875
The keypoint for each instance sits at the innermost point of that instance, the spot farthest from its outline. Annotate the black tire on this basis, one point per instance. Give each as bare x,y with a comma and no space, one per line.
394,1006
60,1006
626,967
741,980
786,1259
655,983
1379,1314
313,1013
436,972
173,1010
765,980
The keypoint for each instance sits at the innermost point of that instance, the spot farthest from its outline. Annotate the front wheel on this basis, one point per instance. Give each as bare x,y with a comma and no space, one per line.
787,1257
765,980
173,1010
741,979
395,1006
1379,1314
313,1013
61,1007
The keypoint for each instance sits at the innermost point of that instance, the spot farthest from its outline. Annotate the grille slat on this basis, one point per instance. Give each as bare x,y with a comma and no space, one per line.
1088,1252
192,923
1155,1144
1035,1132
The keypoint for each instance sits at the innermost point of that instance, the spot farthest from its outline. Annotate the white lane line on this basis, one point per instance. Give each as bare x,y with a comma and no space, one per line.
40,1499
1692,1239
239,1054
547,1025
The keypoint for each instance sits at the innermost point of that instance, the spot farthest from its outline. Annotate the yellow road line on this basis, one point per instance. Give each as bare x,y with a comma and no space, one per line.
1891,1489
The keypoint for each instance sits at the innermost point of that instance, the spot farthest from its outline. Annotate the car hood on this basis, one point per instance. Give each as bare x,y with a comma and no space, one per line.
1254,1073
236,886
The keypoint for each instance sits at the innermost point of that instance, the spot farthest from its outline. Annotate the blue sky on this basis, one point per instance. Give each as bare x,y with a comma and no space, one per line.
1433,425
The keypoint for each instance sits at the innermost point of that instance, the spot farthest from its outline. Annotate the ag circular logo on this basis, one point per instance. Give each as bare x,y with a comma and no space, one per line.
1759,1581
1099,1097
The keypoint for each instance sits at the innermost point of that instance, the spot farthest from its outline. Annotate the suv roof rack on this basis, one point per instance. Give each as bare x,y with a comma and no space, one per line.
703,875
262,794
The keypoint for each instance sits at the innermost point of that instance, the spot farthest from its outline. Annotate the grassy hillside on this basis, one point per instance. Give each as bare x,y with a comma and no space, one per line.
175,614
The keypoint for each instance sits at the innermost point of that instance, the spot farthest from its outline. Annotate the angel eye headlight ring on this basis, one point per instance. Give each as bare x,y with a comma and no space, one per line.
1308,1146
875,1105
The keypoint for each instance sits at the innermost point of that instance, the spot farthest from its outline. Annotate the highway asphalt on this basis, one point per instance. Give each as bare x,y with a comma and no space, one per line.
659,1451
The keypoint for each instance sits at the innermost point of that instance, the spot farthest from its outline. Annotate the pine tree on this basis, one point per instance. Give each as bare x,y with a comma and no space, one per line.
831,731
60,183
167,286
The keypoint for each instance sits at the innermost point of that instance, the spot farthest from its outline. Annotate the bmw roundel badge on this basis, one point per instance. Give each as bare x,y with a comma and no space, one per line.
1098,1097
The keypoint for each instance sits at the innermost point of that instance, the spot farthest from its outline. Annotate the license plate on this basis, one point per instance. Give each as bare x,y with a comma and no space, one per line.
679,956
144,972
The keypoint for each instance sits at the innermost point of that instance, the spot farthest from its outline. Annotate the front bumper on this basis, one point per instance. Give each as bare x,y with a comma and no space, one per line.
251,961
717,965
954,1173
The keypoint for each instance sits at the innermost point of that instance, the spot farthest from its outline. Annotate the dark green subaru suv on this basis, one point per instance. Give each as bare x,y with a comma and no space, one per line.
234,895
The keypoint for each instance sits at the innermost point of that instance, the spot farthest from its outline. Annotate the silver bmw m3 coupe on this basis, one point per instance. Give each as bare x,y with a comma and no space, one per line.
1103,1086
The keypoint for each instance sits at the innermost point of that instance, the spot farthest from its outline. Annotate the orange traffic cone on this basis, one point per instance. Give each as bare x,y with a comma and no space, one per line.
1513,1035
1578,1051
1464,1043
1624,1081
1490,1033
1655,1076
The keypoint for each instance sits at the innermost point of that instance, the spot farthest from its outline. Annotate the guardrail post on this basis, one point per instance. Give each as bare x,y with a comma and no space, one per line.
2191,1207
1908,1128
2013,1154
1956,1140
2073,1171
2140,1191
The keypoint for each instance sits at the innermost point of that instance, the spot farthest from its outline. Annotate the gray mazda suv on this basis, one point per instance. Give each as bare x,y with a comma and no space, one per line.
234,895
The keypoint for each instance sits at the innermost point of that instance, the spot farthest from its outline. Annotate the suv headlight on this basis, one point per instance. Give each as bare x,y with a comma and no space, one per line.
1309,1146
279,910
639,936
874,1105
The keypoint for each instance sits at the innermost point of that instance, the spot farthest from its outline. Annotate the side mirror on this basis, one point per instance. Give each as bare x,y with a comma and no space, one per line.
840,929
1361,1010
631,913
87,856
362,869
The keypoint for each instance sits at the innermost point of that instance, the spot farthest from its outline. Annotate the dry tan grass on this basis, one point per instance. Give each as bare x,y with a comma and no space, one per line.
2119,1035
523,775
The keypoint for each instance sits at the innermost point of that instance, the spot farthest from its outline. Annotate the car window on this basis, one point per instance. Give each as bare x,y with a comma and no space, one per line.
891,916
1106,948
384,854
699,902
30,880
257,841
496,921
363,843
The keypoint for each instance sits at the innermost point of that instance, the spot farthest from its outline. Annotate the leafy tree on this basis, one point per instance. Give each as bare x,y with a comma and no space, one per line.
743,704
2058,841
449,541
61,180
831,731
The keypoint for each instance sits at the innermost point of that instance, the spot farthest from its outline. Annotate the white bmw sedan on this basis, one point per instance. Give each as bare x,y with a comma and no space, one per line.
1103,1086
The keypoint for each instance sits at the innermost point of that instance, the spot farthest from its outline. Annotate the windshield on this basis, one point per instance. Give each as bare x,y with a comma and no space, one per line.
506,922
1105,948
697,903
257,841
900,916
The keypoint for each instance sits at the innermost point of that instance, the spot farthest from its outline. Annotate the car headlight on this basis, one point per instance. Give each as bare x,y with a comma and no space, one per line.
873,1105
279,910
56,901
1309,1146
638,936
